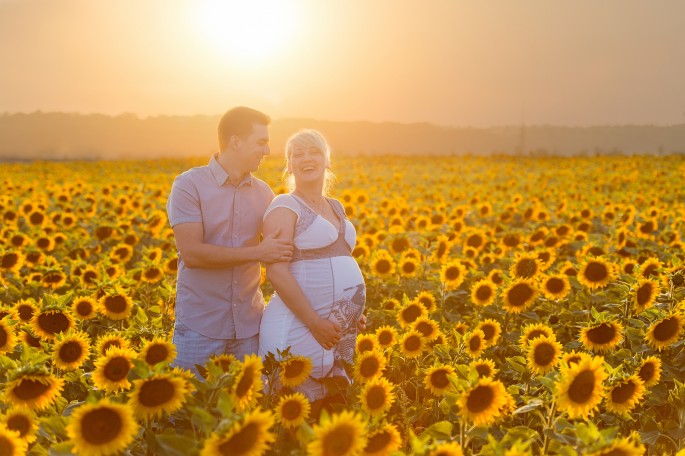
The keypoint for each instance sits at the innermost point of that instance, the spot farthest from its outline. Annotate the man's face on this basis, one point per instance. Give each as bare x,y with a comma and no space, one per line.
252,148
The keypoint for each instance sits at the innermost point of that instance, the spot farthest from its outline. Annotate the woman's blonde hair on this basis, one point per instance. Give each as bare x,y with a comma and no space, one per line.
306,139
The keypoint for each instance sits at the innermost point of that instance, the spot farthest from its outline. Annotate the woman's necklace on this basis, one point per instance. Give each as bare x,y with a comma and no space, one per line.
318,204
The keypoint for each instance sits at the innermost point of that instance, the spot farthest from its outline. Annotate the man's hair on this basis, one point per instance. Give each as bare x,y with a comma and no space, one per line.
239,121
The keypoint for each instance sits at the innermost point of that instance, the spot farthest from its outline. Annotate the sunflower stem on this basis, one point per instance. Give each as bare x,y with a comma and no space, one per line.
548,425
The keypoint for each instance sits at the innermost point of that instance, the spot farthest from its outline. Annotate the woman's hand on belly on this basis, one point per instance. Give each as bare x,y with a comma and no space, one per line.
326,332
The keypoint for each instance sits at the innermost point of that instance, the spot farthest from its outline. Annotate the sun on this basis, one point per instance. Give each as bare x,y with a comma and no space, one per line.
249,31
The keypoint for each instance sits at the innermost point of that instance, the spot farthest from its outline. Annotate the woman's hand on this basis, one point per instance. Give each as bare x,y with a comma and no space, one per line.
326,332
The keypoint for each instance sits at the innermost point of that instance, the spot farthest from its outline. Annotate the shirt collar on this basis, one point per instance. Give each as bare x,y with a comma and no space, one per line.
221,176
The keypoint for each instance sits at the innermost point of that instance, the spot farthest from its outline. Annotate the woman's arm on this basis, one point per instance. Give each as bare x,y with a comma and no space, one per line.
280,223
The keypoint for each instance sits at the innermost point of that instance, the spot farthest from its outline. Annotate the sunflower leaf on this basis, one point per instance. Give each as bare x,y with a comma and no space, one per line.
175,445
442,430
532,405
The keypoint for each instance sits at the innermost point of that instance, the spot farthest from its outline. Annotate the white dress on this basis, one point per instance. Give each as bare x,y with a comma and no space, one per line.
330,278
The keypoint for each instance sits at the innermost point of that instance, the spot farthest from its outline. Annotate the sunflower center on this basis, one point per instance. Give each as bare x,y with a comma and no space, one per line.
474,241
452,273
4,336
52,277
383,266
156,353
385,337
555,285
489,331
484,292
596,272
294,369
152,273
666,329
71,352
544,354
474,343
442,248
339,440
365,345
408,267
369,367
623,392
9,260
644,294
245,383
156,392
375,397
19,423
602,333
424,328
573,360
411,313
84,308
399,245
536,333
483,370
377,442
647,372
53,323
25,312
115,304
582,387
29,389
526,267
480,398
412,343
291,410
101,426
439,379
117,368
520,294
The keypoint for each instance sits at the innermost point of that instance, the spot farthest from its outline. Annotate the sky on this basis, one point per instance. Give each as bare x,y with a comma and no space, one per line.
448,62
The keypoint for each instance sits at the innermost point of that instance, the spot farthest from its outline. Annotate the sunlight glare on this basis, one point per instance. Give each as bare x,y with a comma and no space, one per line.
250,31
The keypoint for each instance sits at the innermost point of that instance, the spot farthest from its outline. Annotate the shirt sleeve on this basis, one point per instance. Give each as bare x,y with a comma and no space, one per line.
183,205
286,201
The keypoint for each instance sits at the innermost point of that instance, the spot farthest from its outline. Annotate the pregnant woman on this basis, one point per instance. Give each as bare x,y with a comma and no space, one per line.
320,294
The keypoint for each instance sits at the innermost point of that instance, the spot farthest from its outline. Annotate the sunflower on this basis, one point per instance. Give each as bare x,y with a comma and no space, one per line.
11,262
382,264
295,370
248,382
544,353
649,371
158,394
34,391
108,341
10,442
365,342
442,249
412,343
483,403
410,312
596,273
492,331
152,274
519,295
665,332
483,292
111,370
484,367
452,274
250,436
48,323
383,441
23,422
103,428
436,379
386,336
622,447
343,434
475,343
447,449
408,266
427,299
157,350
580,390
428,328
622,397
361,251
496,277
26,309
646,291
116,306
30,340
572,358
532,331
71,350
8,338
603,336
377,396
525,266
292,410
121,253
649,268
369,365
568,269
555,287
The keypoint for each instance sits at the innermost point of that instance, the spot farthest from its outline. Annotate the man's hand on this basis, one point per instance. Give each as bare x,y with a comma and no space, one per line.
326,332
274,250
361,324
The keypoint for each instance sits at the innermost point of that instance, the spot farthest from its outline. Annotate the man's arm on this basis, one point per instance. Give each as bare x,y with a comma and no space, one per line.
198,254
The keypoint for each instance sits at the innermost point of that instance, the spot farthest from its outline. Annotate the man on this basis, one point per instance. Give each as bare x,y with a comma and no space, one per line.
216,214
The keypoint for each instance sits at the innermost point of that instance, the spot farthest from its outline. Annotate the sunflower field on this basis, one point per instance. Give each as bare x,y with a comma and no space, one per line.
515,306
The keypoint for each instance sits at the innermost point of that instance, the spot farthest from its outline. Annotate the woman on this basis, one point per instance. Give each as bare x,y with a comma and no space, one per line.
320,294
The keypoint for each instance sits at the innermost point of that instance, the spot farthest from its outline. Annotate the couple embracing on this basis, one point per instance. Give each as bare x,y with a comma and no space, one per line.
219,212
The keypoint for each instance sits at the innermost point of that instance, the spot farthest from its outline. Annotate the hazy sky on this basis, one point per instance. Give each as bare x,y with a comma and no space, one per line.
450,62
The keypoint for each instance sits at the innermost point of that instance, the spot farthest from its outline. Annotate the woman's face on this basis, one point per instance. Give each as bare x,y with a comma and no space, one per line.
308,164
